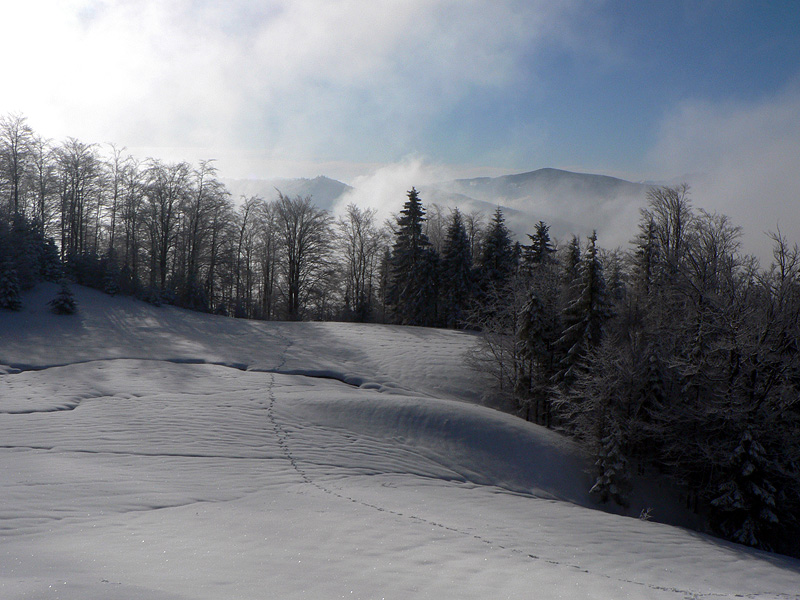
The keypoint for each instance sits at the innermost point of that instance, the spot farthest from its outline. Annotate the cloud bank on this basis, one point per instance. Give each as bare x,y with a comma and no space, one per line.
743,160
280,80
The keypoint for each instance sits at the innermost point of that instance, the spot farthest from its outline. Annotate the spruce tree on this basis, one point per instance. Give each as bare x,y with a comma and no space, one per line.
64,302
572,263
646,257
50,263
456,273
495,271
585,316
111,276
745,510
613,475
410,295
537,333
496,265
541,248
9,287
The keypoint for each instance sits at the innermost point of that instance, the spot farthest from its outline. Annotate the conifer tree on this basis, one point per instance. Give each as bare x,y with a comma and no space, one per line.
50,263
111,276
572,262
9,287
613,476
541,248
745,507
456,279
495,270
410,297
646,257
496,265
537,333
585,317
64,302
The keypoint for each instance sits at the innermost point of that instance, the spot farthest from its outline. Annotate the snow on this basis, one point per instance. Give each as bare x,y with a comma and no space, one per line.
154,453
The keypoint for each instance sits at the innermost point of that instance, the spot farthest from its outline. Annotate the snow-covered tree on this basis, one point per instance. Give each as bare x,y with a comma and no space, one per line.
537,331
456,273
541,248
496,266
746,509
585,317
613,481
64,302
410,296
10,298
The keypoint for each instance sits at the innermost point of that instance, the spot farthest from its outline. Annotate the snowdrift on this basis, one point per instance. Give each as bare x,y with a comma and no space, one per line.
151,452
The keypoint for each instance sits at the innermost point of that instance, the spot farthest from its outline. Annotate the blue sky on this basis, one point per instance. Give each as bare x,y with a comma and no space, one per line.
288,86
425,89
600,104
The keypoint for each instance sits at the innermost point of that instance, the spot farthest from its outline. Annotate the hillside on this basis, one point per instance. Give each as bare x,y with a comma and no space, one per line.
154,453
571,203
324,191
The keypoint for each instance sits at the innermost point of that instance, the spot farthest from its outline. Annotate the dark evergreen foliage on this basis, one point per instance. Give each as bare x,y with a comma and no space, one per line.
10,298
613,480
64,302
584,318
456,274
745,507
541,248
497,266
410,298
495,271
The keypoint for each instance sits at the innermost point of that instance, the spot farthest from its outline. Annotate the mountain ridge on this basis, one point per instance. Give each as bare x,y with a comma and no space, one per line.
572,203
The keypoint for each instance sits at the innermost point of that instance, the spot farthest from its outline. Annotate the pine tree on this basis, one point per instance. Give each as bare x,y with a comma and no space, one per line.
429,275
585,317
410,296
456,270
64,302
50,263
745,507
9,287
613,475
646,257
541,248
496,264
536,333
495,271
111,276
571,271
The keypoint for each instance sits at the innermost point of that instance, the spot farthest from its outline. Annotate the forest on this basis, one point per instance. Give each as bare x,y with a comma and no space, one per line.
677,356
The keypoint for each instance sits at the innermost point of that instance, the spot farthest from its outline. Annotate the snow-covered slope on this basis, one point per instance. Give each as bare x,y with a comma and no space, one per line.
154,453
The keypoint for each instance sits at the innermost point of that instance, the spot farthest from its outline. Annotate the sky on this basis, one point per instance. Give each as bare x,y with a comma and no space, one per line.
647,91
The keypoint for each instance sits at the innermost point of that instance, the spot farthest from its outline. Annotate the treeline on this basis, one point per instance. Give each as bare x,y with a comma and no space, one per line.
170,232
680,355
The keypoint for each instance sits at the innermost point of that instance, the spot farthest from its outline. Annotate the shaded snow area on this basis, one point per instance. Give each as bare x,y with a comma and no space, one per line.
157,454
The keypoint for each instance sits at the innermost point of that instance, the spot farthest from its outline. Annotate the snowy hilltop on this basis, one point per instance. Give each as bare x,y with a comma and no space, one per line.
160,454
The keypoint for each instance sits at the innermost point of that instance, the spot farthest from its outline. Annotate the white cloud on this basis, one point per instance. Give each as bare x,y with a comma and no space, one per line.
294,80
745,161
385,188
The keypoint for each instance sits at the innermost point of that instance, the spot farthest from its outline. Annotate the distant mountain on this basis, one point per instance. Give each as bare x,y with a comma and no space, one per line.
511,189
571,203
324,191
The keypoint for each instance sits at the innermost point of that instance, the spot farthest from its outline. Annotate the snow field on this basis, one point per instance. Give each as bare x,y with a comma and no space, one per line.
173,456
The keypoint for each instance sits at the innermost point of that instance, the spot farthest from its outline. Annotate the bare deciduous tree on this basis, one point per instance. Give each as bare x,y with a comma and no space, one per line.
306,238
